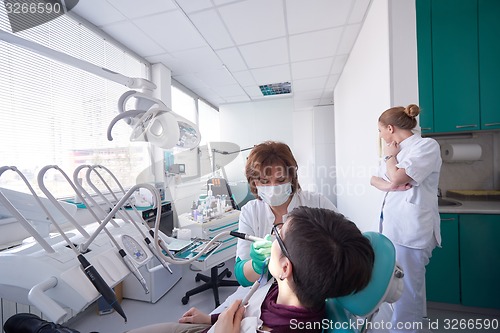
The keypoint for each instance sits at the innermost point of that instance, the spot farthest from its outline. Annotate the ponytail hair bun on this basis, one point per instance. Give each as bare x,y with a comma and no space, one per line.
412,110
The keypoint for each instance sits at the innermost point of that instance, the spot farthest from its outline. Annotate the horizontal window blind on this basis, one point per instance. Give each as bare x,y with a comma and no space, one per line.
56,114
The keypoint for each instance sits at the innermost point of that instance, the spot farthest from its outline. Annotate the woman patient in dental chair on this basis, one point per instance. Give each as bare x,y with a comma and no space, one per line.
317,254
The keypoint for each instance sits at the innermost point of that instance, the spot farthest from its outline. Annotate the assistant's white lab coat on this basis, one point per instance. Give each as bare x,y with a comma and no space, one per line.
257,219
411,217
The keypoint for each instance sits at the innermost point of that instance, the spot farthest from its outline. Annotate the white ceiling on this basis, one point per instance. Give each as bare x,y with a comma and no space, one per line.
224,49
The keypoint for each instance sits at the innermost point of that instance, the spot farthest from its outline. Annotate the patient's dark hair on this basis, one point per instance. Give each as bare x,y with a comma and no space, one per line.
330,257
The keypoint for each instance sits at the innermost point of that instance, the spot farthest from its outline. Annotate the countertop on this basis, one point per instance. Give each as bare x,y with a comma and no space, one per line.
472,207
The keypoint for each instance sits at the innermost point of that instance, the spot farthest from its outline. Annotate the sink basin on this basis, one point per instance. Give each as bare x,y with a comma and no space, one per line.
448,202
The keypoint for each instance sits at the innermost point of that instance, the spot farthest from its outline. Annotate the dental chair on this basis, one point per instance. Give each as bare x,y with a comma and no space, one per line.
386,285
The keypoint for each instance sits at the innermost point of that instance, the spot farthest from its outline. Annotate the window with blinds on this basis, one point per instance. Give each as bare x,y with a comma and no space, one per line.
56,114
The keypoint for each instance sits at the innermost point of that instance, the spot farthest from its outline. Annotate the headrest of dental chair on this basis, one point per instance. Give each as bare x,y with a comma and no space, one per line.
386,283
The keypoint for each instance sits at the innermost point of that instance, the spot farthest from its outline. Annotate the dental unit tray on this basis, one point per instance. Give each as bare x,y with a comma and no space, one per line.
199,245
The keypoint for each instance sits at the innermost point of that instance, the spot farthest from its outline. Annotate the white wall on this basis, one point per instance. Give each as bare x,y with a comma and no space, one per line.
303,144
248,124
323,169
365,89
403,46
309,133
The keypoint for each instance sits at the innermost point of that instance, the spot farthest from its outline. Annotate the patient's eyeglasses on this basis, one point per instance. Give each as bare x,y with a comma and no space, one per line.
276,231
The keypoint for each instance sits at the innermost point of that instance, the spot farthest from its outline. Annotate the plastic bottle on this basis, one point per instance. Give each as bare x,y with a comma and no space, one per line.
194,210
210,197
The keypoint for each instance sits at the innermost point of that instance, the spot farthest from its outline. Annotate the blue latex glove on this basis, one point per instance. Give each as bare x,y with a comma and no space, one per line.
259,252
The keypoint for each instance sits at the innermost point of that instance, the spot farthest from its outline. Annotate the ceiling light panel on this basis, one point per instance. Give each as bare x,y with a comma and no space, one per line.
276,88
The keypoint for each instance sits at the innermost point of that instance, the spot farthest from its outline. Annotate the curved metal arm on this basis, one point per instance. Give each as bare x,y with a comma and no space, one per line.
119,205
158,245
56,203
158,255
110,191
88,196
20,218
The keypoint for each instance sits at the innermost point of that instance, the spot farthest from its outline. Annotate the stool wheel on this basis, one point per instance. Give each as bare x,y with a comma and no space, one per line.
185,300
229,273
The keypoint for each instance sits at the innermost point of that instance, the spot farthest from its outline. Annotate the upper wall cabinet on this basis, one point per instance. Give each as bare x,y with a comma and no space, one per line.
455,65
425,87
458,54
489,62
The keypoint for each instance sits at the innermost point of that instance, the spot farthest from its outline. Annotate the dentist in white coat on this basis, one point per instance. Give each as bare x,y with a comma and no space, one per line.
410,219
271,172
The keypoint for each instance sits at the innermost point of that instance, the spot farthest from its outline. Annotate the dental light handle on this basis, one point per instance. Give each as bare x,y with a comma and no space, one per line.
134,270
101,285
245,236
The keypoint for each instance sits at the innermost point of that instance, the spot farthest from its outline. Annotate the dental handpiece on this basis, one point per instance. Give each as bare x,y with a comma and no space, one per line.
245,236
101,286
133,269
155,253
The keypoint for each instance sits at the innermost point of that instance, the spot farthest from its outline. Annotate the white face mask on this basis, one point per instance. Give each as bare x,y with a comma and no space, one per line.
275,195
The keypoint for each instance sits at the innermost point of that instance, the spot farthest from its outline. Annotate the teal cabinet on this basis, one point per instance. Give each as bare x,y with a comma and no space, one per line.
424,55
466,269
489,62
455,65
458,68
443,272
480,260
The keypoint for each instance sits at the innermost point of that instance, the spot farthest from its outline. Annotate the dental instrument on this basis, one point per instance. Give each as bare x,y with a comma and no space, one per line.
125,212
250,293
90,271
101,285
246,236
255,285
123,254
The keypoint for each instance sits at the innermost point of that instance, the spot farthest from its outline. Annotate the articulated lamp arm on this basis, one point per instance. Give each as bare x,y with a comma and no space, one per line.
134,83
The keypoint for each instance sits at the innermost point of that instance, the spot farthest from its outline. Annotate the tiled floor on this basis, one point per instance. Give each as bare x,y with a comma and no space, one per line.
170,308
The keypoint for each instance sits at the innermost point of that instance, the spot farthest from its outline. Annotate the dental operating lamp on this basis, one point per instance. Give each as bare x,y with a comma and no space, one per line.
152,120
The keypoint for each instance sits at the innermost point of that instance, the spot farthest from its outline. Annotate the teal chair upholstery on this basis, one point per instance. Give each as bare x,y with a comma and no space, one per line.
386,285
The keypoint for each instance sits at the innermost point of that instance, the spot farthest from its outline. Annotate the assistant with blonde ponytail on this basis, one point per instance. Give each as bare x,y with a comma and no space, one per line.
409,176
